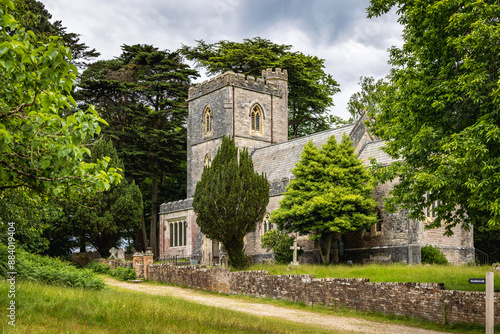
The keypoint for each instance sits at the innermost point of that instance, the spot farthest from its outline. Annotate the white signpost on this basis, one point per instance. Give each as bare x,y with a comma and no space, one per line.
490,314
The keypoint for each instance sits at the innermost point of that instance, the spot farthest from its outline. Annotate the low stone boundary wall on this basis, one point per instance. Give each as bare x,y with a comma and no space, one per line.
428,301
113,264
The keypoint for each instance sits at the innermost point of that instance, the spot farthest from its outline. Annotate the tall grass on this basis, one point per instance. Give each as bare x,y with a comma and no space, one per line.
121,273
49,270
453,277
51,309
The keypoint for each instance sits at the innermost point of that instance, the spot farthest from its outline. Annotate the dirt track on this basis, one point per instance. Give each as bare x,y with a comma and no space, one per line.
334,323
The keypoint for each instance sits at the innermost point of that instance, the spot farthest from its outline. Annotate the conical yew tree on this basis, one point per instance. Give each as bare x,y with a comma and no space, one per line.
230,199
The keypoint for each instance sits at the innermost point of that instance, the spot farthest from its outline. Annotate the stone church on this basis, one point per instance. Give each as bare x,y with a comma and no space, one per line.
254,111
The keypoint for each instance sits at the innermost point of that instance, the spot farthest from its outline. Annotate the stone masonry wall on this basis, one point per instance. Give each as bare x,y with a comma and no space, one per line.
428,301
113,264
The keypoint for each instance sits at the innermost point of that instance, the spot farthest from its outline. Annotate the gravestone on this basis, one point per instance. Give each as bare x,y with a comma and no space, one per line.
121,254
295,248
113,251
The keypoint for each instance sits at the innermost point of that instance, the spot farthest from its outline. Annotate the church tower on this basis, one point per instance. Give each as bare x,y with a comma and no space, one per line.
254,111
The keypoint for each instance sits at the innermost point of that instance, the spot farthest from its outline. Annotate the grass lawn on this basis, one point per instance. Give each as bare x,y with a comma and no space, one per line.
53,309
453,277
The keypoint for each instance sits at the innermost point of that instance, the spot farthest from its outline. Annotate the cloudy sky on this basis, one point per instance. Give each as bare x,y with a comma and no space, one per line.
335,30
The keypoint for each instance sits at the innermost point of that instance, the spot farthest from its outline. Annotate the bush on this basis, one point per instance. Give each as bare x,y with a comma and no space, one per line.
49,270
280,244
432,255
97,267
121,273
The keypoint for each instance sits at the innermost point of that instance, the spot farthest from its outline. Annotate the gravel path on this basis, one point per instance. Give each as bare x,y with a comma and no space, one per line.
335,323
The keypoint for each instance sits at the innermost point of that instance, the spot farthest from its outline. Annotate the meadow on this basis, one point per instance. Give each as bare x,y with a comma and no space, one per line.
453,277
45,308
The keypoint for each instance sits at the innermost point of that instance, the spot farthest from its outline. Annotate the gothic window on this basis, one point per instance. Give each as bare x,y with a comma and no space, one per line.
430,211
207,121
378,224
256,119
178,233
208,161
266,224
375,229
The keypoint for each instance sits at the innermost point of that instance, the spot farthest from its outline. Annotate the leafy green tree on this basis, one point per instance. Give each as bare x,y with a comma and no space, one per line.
367,99
32,15
440,115
331,193
106,217
142,95
310,88
230,199
280,244
40,148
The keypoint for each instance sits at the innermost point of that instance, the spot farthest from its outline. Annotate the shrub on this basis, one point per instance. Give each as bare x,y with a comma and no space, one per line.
97,267
123,273
432,255
280,244
50,270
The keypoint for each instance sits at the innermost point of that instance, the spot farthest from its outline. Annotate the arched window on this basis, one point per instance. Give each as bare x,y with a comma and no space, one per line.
256,119
266,224
208,161
207,121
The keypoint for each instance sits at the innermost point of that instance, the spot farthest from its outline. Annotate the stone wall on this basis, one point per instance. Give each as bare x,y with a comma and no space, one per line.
428,301
113,264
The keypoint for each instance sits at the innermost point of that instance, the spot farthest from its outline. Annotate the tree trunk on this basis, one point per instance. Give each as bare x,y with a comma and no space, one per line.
236,254
324,247
154,213
82,243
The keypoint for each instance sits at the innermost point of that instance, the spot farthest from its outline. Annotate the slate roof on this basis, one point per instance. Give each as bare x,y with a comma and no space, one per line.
277,160
373,150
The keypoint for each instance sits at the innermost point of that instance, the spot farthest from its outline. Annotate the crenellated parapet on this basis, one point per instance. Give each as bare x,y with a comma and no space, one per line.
278,73
267,84
176,206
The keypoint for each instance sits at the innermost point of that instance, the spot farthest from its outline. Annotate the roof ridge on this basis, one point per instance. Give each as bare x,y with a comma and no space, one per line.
366,144
301,138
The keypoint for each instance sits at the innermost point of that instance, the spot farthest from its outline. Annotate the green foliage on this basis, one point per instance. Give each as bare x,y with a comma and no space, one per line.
453,277
331,193
98,267
280,243
367,99
106,217
64,310
123,273
32,15
440,115
145,90
310,88
31,215
40,148
230,199
432,255
48,270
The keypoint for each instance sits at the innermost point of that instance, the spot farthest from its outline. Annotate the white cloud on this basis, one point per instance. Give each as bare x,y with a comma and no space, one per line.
337,31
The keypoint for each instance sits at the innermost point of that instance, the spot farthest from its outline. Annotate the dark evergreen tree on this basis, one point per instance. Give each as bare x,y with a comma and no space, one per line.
310,88
106,217
142,95
331,193
230,199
